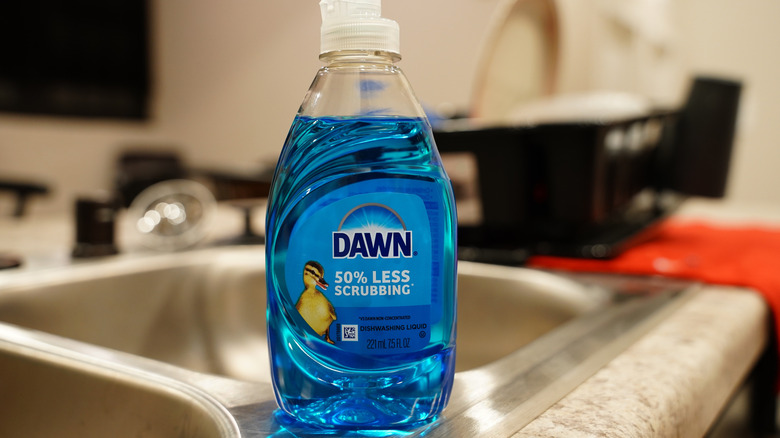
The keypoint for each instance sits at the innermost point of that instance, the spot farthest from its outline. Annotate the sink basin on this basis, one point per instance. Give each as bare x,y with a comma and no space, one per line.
176,343
52,392
205,310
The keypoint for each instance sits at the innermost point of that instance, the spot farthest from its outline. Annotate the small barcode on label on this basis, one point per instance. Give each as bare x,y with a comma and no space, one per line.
349,332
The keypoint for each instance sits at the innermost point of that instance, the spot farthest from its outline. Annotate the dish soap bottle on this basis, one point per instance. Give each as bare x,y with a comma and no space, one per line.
361,241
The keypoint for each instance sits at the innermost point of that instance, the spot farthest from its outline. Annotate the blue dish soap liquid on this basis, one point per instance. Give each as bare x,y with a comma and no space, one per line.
361,242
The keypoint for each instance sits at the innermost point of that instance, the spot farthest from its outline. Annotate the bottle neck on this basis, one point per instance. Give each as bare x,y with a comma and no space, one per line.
360,83
358,57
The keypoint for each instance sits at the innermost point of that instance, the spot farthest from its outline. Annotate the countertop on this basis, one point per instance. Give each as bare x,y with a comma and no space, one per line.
678,378
673,382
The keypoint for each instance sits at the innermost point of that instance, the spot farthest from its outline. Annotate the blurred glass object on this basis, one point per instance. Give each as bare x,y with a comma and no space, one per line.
172,215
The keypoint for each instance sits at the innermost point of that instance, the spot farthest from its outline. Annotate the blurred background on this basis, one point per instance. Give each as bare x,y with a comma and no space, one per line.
224,79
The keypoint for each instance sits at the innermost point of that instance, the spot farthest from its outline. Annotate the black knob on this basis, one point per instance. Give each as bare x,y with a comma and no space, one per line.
95,224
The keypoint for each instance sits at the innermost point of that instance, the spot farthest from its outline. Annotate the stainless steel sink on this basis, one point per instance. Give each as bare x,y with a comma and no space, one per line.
176,343
201,310
205,310
48,391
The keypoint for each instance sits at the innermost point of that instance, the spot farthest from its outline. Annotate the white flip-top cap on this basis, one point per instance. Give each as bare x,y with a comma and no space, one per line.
357,25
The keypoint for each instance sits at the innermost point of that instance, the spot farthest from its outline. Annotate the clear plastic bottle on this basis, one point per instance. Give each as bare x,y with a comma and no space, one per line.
361,241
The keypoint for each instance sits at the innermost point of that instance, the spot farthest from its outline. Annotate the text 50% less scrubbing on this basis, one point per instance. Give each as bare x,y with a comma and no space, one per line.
377,277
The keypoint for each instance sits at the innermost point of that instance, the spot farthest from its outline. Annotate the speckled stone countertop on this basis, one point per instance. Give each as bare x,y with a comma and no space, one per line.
675,381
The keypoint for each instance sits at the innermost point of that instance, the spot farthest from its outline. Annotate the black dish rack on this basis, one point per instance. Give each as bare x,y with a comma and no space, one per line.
587,189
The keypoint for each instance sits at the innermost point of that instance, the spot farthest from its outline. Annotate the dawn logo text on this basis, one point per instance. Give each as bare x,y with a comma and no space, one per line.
372,231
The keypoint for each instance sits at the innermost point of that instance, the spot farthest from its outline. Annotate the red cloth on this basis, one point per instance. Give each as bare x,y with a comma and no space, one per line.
727,255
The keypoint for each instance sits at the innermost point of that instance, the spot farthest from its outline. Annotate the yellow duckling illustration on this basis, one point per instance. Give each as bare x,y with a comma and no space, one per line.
313,306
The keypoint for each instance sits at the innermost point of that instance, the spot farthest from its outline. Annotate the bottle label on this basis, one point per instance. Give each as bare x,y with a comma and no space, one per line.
362,265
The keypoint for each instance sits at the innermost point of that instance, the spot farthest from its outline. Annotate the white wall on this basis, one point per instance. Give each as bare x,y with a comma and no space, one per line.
229,76
739,40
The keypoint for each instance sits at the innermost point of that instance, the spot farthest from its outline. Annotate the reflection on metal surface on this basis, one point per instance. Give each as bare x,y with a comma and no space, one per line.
193,323
50,389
